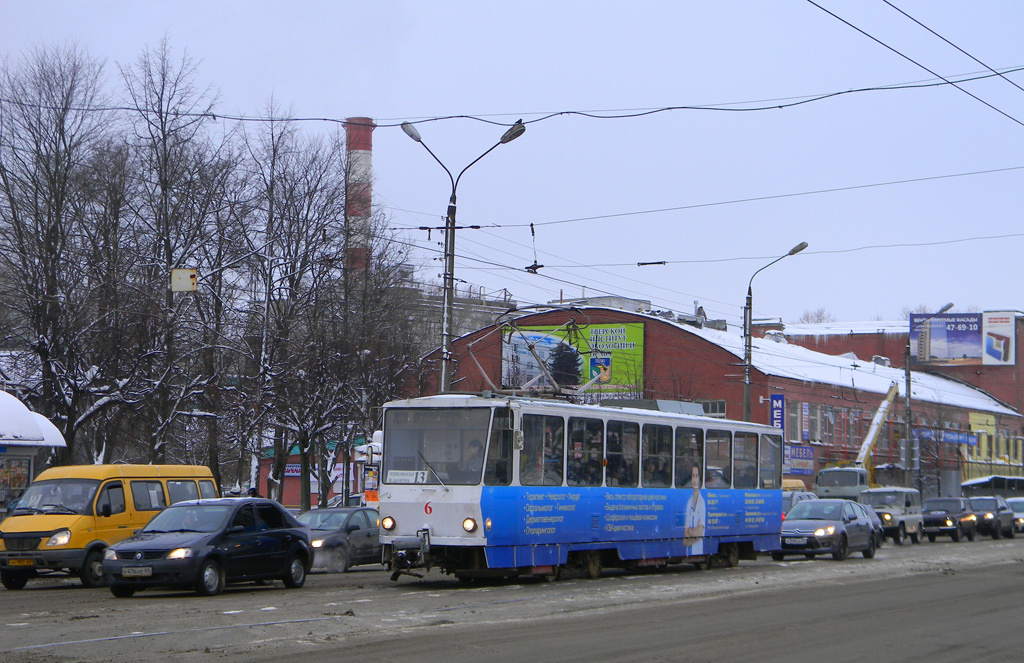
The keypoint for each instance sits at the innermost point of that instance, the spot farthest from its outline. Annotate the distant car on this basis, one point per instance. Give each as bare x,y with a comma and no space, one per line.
876,523
204,544
791,497
949,516
343,537
900,511
1017,506
995,517
826,526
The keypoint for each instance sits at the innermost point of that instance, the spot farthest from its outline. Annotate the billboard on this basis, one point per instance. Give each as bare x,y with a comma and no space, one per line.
612,356
963,339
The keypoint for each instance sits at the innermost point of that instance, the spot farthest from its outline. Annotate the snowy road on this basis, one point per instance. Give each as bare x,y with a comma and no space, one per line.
907,603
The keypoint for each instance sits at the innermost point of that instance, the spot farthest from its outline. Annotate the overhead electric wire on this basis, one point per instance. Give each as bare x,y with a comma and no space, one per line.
912,60
734,201
954,45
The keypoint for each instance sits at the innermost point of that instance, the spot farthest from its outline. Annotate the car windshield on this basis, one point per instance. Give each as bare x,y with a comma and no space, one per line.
70,496
1017,503
814,510
984,503
324,518
881,499
838,478
941,505
189,518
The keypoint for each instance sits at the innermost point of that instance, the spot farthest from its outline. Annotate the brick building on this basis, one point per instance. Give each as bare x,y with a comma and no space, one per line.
826,401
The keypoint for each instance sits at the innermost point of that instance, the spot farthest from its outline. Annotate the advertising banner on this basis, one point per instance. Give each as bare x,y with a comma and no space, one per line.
612,356
801,459
962,339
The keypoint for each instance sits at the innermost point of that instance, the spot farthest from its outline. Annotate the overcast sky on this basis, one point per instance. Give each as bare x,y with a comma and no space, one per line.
907,197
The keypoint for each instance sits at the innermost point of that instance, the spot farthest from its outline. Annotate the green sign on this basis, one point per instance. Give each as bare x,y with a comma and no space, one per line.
610,357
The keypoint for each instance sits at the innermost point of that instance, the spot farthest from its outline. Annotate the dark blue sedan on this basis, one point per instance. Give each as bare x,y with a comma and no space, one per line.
205,544
831,526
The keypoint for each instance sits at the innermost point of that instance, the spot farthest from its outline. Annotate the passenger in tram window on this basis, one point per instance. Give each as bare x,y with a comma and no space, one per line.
696,511
475,458
650,472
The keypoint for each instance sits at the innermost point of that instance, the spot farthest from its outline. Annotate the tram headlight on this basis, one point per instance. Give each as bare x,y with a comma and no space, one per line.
487,524
469,525
388,523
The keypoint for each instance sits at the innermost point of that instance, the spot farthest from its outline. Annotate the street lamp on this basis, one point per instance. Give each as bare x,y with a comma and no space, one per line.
748,312
915,444
513,132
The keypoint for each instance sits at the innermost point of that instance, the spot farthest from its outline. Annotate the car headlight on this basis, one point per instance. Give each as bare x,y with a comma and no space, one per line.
949,523
317,543
110,553
886,517
61,538
988,516
469,525
180,553
825,531
388,523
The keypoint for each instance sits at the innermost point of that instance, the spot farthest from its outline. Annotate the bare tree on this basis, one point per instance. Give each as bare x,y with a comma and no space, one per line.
50,134
816,316
176,195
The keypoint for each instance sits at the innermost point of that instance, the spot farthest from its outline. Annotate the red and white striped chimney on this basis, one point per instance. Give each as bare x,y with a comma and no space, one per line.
359,197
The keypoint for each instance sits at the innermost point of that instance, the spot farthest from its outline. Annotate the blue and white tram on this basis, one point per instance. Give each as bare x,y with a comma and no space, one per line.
506,486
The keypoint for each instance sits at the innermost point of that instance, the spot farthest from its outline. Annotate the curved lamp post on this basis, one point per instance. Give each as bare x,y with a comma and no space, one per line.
513,132
748,312
915,444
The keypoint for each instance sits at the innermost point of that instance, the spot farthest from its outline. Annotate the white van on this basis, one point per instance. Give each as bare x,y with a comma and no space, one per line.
900,511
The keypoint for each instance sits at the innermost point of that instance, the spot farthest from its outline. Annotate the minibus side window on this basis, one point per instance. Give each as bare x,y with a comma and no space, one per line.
207,489
111,497
148,495
182,490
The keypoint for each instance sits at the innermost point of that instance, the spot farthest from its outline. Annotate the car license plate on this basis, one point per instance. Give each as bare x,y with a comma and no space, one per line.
21,562
137,571
796,540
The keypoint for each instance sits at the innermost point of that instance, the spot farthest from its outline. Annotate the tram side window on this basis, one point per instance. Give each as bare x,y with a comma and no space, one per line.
499,452
540,461
689,451
657,456
585,459
718,462
771,461
745,461
623,446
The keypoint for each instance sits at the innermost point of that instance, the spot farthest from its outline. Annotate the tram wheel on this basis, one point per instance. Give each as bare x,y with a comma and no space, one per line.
593,565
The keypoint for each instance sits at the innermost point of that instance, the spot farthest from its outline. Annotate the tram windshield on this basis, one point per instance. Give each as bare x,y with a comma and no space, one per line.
435,446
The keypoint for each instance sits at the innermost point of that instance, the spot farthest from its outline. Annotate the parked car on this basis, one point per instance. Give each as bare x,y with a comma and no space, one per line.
995,517
949,516
826,526
791,497
900,511
204,544
1017,506
876,523
343,537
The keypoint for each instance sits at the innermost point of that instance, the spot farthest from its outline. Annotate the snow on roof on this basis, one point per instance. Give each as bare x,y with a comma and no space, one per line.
21,427
52,436
798,363
844,328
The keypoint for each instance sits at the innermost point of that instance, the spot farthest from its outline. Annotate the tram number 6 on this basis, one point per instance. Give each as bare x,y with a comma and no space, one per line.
427,509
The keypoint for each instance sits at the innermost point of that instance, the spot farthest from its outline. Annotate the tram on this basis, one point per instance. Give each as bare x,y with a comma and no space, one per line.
480,486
